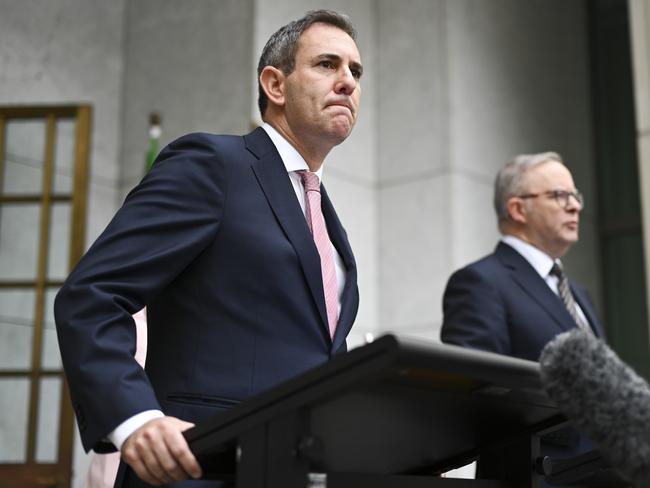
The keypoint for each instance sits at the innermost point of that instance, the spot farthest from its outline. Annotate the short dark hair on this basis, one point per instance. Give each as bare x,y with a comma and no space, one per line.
280,49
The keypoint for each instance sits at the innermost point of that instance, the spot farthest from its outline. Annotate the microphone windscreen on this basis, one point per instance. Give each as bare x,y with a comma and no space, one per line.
603,397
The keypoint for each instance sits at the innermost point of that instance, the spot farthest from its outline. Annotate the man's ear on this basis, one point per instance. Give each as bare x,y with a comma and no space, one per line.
272,82
517,210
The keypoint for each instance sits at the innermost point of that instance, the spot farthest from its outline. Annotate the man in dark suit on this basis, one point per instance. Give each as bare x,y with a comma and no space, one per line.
247,280
518,298
511,302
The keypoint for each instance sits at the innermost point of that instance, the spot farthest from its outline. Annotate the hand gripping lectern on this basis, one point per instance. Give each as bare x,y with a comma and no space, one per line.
393,413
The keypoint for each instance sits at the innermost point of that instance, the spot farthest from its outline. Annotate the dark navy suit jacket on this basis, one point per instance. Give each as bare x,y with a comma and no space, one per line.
214,243
501,304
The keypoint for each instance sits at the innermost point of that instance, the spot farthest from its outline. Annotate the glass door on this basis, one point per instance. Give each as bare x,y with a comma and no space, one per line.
43,193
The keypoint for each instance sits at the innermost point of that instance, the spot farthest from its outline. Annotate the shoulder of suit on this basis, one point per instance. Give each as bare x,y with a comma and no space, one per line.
486,262
488,268
207,149
209,140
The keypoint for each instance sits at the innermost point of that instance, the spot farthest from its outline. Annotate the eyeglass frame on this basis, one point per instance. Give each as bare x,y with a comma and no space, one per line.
559,195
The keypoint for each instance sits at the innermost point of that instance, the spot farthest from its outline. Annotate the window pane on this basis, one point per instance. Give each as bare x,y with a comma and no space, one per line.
64,156
19,232
47,435
14,405
25,149
51,358
16,329
59,246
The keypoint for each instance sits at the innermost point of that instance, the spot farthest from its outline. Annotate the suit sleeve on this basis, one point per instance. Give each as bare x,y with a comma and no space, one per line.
165,222
474,314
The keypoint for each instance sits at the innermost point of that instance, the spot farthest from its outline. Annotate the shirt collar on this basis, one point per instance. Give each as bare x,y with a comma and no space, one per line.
291,158
538,259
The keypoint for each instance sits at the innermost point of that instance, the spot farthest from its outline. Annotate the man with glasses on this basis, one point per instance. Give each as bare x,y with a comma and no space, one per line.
518,298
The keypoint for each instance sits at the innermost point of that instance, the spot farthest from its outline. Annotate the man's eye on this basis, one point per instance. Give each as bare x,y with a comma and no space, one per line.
356,73
326,64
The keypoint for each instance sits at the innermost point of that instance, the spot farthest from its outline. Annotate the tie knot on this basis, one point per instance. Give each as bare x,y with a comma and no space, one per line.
557,270
310,180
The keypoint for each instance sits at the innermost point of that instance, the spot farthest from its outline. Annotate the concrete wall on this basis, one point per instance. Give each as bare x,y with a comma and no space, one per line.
464,85
413,134
189,64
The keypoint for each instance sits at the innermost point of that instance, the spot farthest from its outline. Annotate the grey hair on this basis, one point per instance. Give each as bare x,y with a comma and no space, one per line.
280,50
509,180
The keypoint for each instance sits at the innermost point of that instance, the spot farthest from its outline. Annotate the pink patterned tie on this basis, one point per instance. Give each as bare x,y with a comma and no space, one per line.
318,229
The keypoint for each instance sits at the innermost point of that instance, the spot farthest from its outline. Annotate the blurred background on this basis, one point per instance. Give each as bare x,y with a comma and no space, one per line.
452,89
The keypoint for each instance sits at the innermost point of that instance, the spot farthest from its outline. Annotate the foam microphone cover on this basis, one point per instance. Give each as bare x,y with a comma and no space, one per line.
603,397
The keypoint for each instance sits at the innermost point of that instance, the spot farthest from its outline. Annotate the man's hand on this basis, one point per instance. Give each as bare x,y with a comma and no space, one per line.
158,452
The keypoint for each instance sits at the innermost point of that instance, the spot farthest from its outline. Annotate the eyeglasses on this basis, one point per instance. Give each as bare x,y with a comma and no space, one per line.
563,198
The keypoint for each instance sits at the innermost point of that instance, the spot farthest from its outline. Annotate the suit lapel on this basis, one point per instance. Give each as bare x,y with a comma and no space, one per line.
349,297
272,177
534,285
585,306
335,230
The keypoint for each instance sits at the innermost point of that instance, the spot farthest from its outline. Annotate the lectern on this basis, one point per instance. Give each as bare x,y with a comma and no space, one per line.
393,413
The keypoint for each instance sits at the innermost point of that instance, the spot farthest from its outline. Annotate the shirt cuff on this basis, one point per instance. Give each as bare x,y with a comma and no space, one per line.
130,425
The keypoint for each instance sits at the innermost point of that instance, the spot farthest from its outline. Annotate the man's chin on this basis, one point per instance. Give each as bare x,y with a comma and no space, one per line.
571,239
339,133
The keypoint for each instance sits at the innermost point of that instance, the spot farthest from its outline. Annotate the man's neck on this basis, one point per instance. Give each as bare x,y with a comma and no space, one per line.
310,153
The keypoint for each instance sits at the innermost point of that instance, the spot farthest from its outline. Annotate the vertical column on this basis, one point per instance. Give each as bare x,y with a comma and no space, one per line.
639,14
413,151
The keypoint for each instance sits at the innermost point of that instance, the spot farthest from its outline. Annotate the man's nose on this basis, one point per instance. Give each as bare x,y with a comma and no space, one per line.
346,82
573,204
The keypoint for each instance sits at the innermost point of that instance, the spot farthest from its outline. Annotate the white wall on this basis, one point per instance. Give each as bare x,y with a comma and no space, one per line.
414,193
188,64
464,85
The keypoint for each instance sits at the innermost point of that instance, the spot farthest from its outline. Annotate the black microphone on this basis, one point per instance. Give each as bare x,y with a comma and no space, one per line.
603,397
